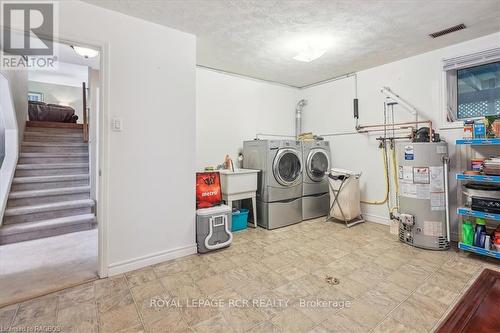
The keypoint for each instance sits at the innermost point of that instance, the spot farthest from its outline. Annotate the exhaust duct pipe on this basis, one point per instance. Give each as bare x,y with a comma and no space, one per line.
298,117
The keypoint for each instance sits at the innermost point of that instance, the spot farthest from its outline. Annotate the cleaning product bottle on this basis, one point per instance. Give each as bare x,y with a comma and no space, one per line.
480,232
468,233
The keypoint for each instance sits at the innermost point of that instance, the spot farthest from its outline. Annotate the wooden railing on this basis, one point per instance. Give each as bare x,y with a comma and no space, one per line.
85,117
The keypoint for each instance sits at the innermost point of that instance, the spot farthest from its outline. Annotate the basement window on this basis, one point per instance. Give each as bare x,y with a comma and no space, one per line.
473,86
35,96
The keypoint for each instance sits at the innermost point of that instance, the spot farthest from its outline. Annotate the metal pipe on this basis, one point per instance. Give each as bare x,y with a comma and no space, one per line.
273,135
410,108
399,124
345,76
446,161
361,132
399,128
393,138
298,117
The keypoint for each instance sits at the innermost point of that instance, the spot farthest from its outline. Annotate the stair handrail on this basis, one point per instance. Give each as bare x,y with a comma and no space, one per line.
11,143
85,117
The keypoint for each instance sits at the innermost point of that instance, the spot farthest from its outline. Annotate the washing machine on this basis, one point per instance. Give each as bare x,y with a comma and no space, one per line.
279,187
315,195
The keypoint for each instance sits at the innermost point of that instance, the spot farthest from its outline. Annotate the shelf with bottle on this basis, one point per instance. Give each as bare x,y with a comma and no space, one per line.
483,141
478,178
469,212
475,232
479,250
477,237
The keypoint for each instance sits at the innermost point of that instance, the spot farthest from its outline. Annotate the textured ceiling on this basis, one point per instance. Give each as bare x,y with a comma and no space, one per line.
252,37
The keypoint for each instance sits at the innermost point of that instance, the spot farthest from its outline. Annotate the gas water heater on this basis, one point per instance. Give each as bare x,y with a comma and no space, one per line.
423,194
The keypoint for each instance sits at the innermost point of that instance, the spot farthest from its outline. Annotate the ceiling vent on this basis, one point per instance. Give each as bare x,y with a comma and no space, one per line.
448,30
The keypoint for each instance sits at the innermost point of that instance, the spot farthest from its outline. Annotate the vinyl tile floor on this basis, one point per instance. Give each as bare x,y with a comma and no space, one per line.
270,281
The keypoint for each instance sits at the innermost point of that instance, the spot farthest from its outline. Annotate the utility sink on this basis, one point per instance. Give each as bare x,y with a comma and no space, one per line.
238,181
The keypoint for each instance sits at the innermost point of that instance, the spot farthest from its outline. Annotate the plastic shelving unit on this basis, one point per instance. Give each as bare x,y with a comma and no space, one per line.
463,211
479,250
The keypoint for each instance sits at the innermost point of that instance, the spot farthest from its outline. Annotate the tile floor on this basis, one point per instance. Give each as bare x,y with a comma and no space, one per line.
46,264
385,286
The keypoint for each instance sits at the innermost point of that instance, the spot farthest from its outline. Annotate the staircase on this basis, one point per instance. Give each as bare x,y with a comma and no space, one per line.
50,192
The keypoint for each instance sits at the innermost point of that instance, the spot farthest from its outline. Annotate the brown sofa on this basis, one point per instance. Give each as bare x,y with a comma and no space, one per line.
40,111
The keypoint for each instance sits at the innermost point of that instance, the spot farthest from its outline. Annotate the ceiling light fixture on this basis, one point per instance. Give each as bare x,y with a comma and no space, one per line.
85,52
310,48
309,55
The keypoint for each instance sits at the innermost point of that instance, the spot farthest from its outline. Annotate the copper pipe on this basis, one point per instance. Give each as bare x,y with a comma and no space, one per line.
381,130
390,126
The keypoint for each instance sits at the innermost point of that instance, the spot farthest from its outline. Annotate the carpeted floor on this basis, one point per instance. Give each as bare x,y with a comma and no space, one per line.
36,267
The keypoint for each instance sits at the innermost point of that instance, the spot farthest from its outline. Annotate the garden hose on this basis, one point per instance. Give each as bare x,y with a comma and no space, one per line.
395,175
386,173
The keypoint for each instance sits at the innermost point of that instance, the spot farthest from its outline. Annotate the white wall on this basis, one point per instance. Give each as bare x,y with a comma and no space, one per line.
93,119
18,81
416,79
231,109
149,82
60,94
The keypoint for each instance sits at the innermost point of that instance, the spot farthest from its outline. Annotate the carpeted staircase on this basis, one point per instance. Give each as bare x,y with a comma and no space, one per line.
50,192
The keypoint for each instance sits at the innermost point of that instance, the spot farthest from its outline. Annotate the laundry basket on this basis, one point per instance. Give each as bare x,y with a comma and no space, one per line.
344,195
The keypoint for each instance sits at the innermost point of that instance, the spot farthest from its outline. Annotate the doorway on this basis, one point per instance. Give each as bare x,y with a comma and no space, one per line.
61,139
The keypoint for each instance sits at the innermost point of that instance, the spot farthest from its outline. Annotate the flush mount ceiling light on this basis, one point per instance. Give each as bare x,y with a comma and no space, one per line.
310,48
85,52
309,55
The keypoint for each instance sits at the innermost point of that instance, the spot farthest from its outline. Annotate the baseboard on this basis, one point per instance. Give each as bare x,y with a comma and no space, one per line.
376,218
156,258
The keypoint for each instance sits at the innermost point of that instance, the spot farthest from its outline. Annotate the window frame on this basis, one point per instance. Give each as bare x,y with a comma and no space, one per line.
450,66
35,93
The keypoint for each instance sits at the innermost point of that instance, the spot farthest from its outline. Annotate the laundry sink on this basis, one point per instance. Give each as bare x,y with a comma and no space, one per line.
238,181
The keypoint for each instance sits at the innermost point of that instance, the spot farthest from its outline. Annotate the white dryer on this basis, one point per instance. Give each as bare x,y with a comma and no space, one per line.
317,163
279,188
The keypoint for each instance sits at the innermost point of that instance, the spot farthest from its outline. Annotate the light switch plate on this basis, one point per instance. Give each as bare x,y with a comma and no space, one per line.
116,124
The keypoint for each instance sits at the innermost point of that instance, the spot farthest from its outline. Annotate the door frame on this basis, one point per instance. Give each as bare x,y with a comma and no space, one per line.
102,146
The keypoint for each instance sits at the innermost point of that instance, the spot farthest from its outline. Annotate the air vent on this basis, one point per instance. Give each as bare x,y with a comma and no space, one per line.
447,31
443,243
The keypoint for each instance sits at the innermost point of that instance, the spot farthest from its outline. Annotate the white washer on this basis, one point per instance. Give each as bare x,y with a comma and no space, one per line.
317,163
279,188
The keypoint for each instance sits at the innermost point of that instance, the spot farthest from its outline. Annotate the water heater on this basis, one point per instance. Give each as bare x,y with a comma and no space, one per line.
423,194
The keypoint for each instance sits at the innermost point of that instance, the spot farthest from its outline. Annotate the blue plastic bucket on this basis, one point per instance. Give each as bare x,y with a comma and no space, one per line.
240,220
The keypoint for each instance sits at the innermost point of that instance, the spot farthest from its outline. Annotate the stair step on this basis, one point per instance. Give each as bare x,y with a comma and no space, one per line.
23,210
54,144
47,169
32,158
67,134
51,166
45,228
36,197
48,179
49,131
54,147
53,125
53,191
52,137
46,155
48,182
23,214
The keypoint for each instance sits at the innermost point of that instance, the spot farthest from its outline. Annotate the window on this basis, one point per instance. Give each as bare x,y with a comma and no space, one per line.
472,85
478,91
35,96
